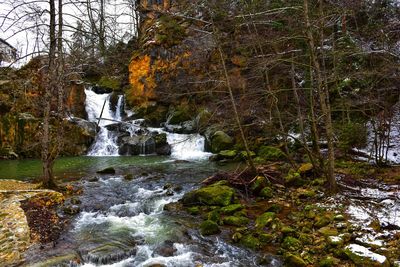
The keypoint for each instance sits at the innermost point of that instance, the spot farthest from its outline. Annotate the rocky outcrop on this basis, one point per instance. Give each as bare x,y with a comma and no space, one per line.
20,136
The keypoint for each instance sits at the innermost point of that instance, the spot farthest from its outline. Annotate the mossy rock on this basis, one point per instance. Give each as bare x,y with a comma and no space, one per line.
179,115
287,230
236,221
363,257
250,241
112,83
258,184
109,170
266,193
160,139
244,156
274,208
220,141
294,260
266,238
227,154
231,209
193,210
291,243
270,153
214,216
305,169
265,219
213,195
306,193
209,228
328,261
328,231
335,241
321,221
294,178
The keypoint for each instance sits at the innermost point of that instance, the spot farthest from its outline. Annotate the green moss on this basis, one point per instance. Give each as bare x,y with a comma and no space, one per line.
235,221
209,228
328,231
266,238
213,195
109,82
179,115
193,210
294,260
291,243
243,155
287,230
321,221
293,178
265,219
270,153
258,184
220,141
250,241
327,262
214,216
305,169
231,209
227,154
267,193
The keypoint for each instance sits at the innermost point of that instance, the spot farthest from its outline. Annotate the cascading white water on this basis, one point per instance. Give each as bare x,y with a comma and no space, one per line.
183,146
187,146
105,143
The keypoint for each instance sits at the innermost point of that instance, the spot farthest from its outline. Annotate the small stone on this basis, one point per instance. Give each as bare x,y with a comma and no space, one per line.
294,260
291,243
109,170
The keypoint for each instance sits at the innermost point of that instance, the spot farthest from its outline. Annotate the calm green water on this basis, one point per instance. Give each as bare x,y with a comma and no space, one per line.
72,167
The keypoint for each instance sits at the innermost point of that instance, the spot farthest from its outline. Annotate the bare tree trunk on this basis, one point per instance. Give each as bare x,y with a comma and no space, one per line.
324,102
47,158
233,102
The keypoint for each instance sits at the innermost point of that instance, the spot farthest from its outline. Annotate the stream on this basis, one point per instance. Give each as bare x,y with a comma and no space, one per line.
123,222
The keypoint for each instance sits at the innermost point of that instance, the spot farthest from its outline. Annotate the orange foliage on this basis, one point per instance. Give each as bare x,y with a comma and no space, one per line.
142,73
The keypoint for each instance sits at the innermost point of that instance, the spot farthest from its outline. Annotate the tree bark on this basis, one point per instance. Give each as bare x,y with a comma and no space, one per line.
324,102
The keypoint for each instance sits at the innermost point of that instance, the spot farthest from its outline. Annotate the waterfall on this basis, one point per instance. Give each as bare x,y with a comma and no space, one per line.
183,146
105,143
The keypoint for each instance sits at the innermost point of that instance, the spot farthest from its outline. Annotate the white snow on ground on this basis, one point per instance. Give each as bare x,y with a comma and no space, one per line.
364,252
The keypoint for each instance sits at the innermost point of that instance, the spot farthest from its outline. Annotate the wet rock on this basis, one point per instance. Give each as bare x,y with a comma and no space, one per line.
71,209
169,192
93,179
136,145
220,141
213,195
173,207
166,249
108,253
164,150
71,259
128,177
362,256
109,170
209,228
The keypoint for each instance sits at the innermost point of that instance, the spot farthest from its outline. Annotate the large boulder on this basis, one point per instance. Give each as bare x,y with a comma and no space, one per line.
221,141
136,145
216,194
362,256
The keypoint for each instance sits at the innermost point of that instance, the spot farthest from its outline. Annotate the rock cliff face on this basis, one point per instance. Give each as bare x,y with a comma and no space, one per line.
173,55
21,110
